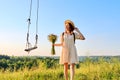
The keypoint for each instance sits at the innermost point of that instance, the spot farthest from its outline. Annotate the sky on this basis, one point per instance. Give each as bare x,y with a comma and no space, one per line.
98,21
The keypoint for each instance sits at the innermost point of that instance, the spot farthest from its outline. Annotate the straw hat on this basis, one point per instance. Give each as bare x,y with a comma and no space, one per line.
69,21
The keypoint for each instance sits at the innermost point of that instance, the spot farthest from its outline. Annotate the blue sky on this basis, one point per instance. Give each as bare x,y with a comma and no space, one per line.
98,20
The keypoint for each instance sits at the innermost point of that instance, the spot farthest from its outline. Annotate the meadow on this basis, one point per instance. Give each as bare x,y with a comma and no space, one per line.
47,68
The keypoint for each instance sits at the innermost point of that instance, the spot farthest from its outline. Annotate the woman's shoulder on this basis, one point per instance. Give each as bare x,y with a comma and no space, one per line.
63,33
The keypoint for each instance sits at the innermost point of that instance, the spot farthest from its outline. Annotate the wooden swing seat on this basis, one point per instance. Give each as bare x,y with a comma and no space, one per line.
32,48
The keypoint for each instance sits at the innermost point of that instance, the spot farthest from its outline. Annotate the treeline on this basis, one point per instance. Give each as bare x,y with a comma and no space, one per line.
13,63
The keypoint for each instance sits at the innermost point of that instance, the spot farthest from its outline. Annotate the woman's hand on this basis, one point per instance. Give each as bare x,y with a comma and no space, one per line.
81,35
53,45
60,44
77,30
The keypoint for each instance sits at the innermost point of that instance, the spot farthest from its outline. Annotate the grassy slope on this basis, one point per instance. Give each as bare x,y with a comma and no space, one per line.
100,70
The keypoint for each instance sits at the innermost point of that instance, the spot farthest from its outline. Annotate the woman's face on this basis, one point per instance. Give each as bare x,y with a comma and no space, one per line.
67,27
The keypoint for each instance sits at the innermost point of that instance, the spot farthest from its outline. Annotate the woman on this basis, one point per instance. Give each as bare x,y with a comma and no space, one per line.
69,53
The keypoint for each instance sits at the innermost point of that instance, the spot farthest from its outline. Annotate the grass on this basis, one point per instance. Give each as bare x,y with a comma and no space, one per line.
100,70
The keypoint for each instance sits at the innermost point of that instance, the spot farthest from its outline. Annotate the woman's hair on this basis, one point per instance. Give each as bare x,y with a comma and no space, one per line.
71,27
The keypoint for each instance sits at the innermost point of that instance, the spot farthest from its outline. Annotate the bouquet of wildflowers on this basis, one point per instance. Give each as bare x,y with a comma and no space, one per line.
52,38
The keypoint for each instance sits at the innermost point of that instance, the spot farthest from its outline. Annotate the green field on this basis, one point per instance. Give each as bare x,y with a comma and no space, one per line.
35,68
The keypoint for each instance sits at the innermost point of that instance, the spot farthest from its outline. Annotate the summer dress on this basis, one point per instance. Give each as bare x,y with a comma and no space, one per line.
69,53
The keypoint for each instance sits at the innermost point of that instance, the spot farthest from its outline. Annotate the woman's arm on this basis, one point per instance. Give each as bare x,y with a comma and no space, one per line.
57,44
80,34
60,44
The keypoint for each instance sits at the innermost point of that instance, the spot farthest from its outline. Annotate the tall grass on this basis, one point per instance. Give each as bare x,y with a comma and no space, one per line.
87,70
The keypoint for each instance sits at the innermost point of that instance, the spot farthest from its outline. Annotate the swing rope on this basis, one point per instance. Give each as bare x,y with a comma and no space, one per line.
28,44
37,23
29,22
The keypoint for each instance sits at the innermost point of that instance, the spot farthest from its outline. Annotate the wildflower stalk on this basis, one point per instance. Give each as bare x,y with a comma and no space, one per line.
52,38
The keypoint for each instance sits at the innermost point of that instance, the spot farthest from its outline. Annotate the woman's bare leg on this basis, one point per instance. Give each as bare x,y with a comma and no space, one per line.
72,71
66,71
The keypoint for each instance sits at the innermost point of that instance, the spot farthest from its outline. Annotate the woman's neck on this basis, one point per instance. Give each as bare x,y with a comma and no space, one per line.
68,32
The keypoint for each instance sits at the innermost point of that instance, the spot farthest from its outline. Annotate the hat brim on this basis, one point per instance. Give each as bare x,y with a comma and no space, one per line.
69,21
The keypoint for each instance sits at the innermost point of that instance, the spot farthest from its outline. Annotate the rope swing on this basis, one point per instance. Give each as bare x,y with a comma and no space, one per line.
28,44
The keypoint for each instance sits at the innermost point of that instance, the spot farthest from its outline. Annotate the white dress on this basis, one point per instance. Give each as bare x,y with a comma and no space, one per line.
69,53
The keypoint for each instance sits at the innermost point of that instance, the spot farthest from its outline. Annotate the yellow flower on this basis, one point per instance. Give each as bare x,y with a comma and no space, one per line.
52,38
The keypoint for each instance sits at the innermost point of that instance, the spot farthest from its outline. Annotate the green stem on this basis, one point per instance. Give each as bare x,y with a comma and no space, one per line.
53,50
